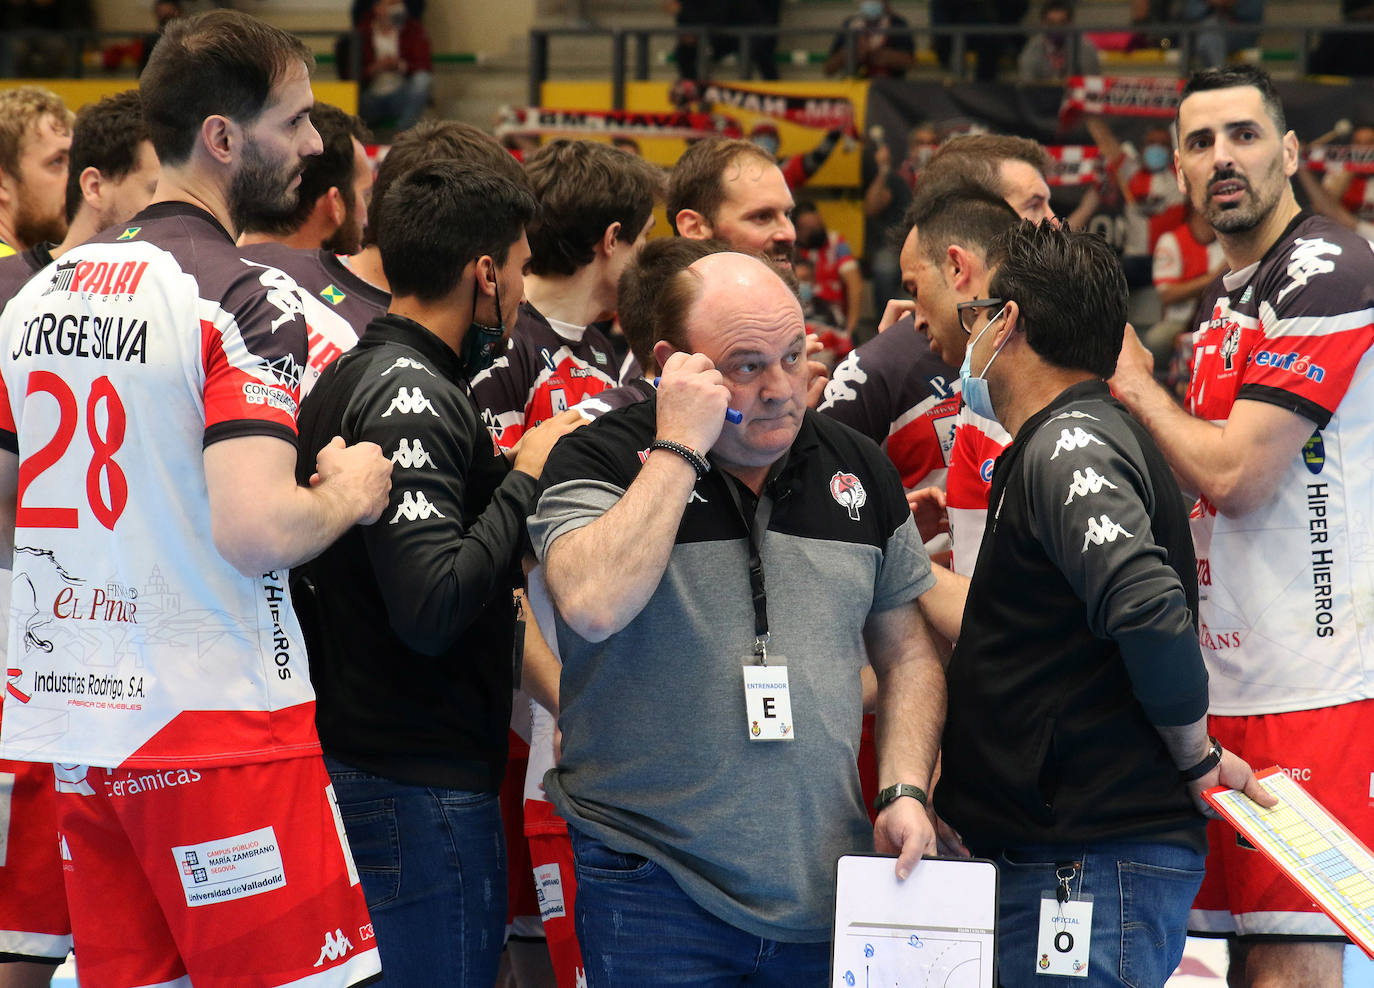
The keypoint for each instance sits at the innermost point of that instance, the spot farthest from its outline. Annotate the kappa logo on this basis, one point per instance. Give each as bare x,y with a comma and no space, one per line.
403,363
1309,259
842,385
410,401
411,455
415,506
72,778
1084,484
848,493
1103,529
1070,440
282,293
335,946
1074,413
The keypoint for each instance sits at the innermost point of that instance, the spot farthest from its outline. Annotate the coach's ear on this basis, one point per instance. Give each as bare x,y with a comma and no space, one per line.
693,225
662,351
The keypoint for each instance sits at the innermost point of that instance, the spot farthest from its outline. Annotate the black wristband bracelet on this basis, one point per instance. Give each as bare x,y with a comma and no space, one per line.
1212,760
697,461
892,793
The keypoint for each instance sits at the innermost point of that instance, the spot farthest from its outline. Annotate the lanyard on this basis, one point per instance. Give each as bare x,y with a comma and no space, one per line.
754,524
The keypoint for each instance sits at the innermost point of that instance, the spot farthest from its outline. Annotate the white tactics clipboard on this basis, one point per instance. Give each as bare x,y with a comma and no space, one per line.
938,928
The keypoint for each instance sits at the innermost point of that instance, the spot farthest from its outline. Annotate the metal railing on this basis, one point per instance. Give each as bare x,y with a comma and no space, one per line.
70,50
630,46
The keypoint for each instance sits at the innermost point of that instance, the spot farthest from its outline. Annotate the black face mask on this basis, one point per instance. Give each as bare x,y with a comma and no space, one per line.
814,240
482,342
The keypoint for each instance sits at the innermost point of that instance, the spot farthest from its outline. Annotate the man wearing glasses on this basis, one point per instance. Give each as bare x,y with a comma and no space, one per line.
1075,748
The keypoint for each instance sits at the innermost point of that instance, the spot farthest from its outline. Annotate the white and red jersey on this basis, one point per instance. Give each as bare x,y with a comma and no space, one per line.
337,304
896,392
1179,257
548,366
1155,205
978,442
1358,198
830,261
132,642
1287,591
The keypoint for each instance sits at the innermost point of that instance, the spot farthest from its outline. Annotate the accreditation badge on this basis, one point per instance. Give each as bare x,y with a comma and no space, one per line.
768,701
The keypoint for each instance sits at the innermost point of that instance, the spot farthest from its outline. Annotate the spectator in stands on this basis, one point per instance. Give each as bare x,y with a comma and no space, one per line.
734,191
1215,36
164,12
398,67
35,138
627,144
987,48
887,193
796,168
693,16
1057,52
1349,181
1187,259
1148,186
838,280
883,43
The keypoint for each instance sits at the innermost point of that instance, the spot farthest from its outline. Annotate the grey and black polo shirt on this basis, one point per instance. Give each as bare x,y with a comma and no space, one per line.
656,755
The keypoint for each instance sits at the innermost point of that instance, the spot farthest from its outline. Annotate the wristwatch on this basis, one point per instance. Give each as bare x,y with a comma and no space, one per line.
1212,760
892,793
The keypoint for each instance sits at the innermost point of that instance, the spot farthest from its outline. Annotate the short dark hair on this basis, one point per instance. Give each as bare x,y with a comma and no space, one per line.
804,207
1232,77
106,137
957,211
583,187
1079,329
220,62
442,216
1062,5
697,181
436,140
332,168
640,291
978,158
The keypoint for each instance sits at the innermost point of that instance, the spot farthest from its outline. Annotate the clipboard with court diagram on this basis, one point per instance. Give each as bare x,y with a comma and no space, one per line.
935,930
1311,847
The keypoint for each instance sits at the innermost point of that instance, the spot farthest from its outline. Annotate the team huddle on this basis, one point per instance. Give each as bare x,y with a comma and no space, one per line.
372,616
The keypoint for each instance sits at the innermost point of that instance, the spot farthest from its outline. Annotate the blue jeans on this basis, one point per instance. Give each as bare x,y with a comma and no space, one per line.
401,107
433,867
1141,896
637,927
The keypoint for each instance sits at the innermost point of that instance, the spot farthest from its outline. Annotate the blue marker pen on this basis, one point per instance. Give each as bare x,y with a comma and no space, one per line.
731,415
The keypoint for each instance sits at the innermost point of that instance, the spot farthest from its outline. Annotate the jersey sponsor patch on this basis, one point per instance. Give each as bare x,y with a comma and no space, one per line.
228,868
